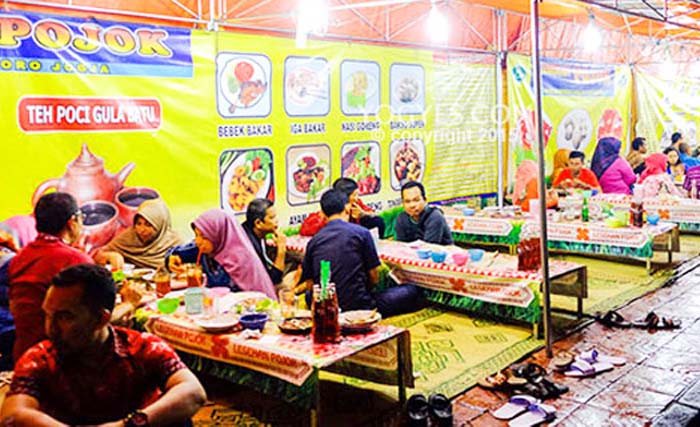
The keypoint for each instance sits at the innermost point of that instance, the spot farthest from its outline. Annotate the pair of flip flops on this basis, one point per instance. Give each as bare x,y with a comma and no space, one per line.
419,410
523,410
525,378
589,363
652,321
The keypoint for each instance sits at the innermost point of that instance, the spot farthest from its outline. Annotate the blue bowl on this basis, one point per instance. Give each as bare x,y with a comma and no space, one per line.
438,256
424,253
476,254
653,219
468,211
254,321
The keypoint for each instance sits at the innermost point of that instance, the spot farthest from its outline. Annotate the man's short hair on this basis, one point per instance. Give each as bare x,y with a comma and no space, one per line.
333,202
53,211
669,149
257,209
675,137
99,291
413,184
577,155
638,142
346,185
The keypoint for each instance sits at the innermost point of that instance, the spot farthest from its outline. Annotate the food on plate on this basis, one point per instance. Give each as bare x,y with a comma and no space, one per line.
408,89
240,83
610,124
357,164
360,317
304,84
575,130
297,323
526,129
407,163
248,179
357,96
311,175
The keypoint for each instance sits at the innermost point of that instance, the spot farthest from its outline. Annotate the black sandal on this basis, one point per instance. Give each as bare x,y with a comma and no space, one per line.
613,319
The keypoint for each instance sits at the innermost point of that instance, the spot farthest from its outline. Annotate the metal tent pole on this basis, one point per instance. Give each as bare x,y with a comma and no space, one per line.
537,78
500,47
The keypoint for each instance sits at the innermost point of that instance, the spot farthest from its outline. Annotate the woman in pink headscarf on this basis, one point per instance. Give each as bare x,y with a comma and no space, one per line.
654,180
525,187
228,258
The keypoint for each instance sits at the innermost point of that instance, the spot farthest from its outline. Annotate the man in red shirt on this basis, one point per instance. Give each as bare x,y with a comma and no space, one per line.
576,176
58,222
91,373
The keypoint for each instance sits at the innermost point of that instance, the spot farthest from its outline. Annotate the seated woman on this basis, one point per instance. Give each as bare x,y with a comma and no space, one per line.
561,162
526,188
145,243
676,168
655,180
226,255
614,174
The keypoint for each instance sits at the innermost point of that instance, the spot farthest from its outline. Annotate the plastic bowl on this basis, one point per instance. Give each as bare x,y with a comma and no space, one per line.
460,258
468,211
168,305
476,254
439,256
424,253
653,219
254,321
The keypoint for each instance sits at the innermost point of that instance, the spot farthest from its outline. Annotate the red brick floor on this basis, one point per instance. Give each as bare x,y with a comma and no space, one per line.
648,390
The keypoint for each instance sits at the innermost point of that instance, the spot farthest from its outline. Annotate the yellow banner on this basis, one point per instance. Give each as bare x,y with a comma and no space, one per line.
582,103
215,119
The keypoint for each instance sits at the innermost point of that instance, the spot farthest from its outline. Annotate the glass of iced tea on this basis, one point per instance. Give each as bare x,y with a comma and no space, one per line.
162,279
194,275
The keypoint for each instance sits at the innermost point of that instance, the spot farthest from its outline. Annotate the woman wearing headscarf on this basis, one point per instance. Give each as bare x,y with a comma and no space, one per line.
525,187
614,173
561,162
676,168
145,243
654,180
226,254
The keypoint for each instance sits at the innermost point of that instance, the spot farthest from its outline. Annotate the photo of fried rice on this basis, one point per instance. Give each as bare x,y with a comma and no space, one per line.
246,177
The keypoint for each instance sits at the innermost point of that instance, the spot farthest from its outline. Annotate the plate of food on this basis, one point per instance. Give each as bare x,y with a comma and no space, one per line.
304,86
360,162
296,325
248,176
407,90
360,86
359,320
524,129
242,82
217,323
309,175
575,130
408,161
610,124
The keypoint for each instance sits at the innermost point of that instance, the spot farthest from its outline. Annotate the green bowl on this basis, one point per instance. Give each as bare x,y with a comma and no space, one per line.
168,305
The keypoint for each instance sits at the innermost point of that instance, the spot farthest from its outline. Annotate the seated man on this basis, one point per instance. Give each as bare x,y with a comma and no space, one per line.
354,263
261,220
637,154
89,372
685,154
576,176
420,221
59,223
359,212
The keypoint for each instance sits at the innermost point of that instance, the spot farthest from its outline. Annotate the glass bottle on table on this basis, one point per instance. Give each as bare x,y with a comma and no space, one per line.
324,306
162,279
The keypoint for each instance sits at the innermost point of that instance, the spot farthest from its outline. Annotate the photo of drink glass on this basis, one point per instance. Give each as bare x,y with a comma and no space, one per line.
162,279
287,302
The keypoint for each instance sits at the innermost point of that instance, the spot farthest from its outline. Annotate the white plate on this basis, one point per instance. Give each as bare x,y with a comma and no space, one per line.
359,314
575,130
228,176
304,85
217,325
258,77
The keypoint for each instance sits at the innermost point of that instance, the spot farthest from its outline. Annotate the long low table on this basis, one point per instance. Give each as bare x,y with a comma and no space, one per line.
583,238
382,355
494,280
682,211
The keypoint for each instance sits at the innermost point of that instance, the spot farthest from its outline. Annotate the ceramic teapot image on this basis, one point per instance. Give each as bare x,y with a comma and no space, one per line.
86,179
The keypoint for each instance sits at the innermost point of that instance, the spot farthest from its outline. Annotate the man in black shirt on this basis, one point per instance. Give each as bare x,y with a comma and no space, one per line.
261,221
420,221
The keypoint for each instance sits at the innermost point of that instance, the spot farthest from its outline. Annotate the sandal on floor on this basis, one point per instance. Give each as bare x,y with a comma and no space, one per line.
668,323
417,411
562,360
649,322
538,385
440,410
535,415
515,406
583,369
594,356
613,319
501,381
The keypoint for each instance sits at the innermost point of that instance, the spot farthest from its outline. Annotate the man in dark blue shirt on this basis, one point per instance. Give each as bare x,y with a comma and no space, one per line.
420,221
354,263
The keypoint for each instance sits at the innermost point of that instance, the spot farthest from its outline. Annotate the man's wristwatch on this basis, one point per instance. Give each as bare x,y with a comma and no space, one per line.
136,419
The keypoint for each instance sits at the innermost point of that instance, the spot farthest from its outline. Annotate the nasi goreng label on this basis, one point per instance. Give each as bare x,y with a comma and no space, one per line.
36,44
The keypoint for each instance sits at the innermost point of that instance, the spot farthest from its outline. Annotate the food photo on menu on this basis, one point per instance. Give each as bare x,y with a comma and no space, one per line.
243,85
407,161
308,173
361,162
245,175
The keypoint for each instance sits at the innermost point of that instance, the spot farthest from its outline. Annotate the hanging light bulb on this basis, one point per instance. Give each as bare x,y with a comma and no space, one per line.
591,36
312,17
438,27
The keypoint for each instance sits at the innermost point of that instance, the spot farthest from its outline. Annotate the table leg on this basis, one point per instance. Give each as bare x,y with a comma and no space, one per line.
670,247
648,265
316,410
400,342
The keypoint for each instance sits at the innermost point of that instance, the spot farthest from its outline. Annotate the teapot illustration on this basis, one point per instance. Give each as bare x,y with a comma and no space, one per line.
86,179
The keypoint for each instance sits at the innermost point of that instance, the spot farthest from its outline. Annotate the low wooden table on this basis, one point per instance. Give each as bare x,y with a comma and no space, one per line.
382,355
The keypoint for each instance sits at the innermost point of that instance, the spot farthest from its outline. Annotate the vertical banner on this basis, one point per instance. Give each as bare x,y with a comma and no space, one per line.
115,113
666,105
582,104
